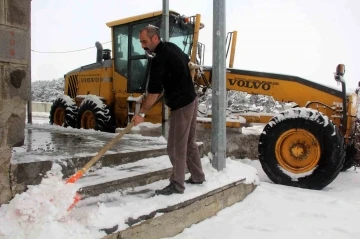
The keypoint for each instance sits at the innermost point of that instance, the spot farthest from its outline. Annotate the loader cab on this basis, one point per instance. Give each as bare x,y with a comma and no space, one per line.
130,60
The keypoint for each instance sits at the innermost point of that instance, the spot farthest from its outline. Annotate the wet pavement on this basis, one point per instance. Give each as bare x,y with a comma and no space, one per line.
71,148
53,143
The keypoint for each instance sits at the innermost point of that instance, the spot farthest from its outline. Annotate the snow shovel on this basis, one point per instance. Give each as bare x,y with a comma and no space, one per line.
102,151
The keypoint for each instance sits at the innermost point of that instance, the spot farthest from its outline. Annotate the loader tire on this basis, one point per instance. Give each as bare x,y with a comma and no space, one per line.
302,148
350,157
97,117
63,112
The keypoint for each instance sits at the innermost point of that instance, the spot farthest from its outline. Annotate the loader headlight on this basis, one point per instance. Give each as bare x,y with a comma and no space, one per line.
340,69
340,72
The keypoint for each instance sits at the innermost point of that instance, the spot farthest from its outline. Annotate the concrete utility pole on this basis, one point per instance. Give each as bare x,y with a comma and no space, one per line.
218,133
165,37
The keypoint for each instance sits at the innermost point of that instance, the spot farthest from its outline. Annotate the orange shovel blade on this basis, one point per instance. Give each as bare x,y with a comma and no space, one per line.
76,199
75,177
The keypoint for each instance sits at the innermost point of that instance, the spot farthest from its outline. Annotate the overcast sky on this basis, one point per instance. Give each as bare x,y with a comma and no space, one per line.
305,38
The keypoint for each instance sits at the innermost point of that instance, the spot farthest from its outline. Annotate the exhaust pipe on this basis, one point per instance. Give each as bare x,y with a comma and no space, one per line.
99,52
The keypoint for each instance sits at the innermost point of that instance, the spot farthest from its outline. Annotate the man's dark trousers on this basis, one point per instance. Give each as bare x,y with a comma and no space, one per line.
182,148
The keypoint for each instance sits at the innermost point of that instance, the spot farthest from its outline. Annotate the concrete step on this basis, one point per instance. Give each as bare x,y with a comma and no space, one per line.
170,221
151,217
72,149
129,175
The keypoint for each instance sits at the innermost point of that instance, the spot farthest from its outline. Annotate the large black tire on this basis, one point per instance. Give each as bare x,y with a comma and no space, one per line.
63,112
350,157
301,147
94,116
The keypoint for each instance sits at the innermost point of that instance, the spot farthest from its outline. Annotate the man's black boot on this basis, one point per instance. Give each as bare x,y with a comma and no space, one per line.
190,181
168,190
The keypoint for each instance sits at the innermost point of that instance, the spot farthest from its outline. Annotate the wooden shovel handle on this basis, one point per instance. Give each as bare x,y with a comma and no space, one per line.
102,151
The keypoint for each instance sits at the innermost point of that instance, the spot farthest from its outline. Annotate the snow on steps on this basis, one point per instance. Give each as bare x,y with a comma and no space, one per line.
129,175
129,184
135,212
171,220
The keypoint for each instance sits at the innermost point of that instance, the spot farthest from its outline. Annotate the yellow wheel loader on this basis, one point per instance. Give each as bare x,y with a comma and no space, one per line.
305,146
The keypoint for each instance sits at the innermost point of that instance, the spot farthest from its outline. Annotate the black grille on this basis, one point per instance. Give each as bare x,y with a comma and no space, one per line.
73,83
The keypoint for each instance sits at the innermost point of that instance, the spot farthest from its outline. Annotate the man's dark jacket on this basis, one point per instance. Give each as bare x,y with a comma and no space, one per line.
170,71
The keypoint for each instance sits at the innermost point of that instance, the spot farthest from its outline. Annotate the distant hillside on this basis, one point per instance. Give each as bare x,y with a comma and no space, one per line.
47,91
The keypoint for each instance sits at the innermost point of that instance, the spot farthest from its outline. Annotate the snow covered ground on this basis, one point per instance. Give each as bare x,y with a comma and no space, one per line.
272,211
276,211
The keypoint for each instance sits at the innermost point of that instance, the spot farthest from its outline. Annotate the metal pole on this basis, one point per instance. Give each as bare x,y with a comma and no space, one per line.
218,133
29,108
29,104
165,26
165,37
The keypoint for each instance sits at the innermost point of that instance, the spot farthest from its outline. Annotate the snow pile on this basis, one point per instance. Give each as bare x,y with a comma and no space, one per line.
69,102
233,171
96,99
41,211
108,210
145,125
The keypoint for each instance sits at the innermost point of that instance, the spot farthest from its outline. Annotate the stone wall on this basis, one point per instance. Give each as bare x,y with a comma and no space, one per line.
14,82
238,145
